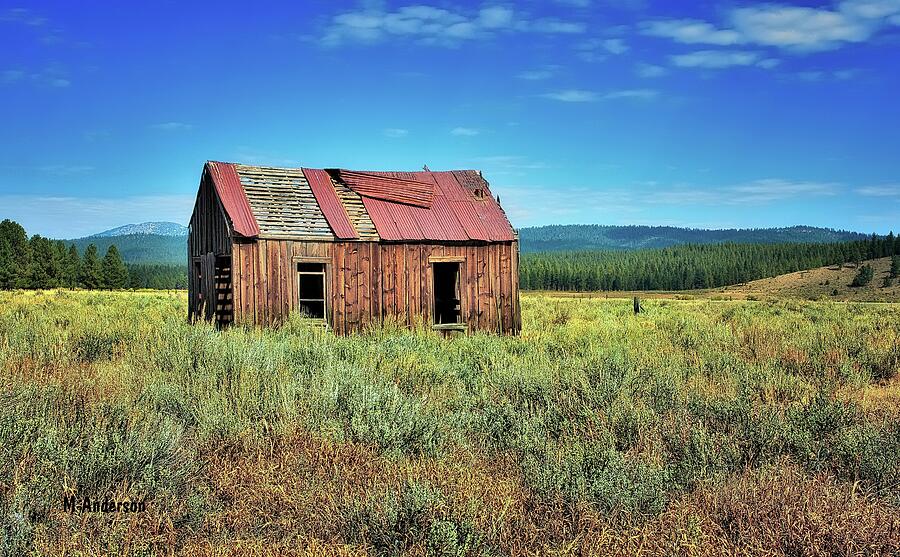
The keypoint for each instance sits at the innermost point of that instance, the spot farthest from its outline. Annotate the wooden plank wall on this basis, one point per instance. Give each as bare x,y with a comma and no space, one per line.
208,233
370,281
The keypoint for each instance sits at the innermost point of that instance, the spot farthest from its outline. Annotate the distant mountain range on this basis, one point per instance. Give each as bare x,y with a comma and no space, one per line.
593,236
162,243
166,242
154,228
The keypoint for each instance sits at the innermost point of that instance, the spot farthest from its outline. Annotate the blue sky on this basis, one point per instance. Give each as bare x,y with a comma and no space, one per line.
719,114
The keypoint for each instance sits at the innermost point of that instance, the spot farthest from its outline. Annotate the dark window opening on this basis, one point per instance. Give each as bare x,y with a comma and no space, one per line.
447,304
311,289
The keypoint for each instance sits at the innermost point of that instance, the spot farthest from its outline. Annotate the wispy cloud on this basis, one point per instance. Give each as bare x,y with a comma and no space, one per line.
796,28
715,59
572,96
640,94
465,132
615,46
826,75
581,95
506,165
887,190
11,76
22,15
691,31
66,169
172,127
436,25
648,71
395,133
539,74
758,192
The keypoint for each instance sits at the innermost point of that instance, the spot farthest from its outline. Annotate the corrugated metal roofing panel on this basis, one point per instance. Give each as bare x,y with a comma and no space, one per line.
389,188
380,213
234,201
335,214
487,208
470,220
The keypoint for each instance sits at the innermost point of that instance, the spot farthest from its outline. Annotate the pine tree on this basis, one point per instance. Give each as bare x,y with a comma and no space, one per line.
15,256
91,272
71,268
863,276
895,266
115,273
42,272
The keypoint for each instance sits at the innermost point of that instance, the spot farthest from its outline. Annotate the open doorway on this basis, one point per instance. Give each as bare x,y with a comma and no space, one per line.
447,303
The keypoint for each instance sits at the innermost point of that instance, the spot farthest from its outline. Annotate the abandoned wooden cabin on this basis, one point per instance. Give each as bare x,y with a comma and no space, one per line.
350,248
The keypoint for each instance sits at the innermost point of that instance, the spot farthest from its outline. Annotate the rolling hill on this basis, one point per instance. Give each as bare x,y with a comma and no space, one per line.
165,242
831,282
593,237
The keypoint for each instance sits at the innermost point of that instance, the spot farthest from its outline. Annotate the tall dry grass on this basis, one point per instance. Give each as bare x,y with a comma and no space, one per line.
696,428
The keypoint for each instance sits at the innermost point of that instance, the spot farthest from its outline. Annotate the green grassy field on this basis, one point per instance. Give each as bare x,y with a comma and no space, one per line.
699,427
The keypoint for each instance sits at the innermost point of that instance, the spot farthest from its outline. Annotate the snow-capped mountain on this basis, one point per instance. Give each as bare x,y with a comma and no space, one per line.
156,228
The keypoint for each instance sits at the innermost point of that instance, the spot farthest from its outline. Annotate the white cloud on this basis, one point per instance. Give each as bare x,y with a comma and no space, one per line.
11,76
714,59
536,75
572,96
691,31
495,17
66,169
576,3
438,26
650,71
889,190
757,192
22,15
172,126
796,28
615,46
580,95
870,9
395,133
465,132
553,26
639,94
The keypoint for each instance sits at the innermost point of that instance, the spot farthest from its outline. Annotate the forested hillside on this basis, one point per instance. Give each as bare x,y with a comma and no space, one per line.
40,263
690,266
593,237
141,248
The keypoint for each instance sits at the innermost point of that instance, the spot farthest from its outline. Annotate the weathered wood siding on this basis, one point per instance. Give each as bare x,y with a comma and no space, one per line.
370,281
208,238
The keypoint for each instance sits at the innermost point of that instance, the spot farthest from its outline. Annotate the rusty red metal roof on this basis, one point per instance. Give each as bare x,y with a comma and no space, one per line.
332,208
449,206
463,209
394,189
234,200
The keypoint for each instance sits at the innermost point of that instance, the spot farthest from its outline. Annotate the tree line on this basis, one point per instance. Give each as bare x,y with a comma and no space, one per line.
40,263
689,267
